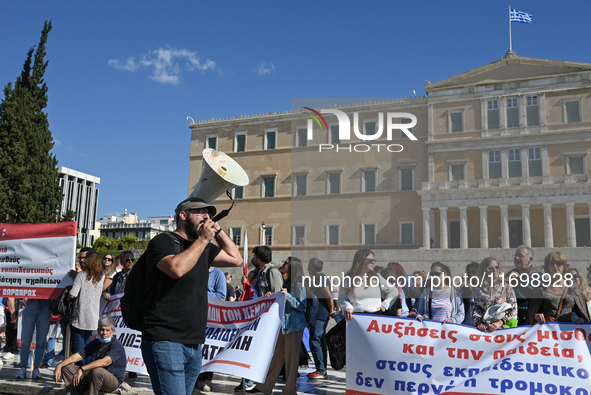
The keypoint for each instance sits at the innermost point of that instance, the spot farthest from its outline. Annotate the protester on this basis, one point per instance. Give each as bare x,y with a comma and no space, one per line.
407,293
492,292
416,283
467,290
55,330
525,272
118,285
174,326
399,308
287,346
238,293
110,272
36,315
88,286
325,311
11,346
230,294
441,301
216,289
366,298
105,369
582,283
560,299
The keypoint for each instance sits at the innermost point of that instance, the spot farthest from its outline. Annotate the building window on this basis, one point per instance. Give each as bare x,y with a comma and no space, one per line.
403,121
334,135
406,233
533,114
334,183
456,120
514,162
270,140
493,114
369,128
369,181
457,173
406,177
269,186
238,193
301,187
235,235
333,235
576,165
534,162
299,234
302,138
212,142
494,164
512,113
269,236
573,113
240,142
369,234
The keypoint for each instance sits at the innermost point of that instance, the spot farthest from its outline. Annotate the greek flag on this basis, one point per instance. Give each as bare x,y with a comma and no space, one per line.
520,16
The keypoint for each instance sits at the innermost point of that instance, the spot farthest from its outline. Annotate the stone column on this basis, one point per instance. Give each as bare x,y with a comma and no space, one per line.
524,162
443,227
571,239
485,174
463,227
432,226
522,114
426,232
525,221
504,163
548,234
504,225
483,226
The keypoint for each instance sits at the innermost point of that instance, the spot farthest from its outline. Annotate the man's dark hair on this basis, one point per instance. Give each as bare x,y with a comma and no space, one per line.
126,252
316,264
85,249
263,253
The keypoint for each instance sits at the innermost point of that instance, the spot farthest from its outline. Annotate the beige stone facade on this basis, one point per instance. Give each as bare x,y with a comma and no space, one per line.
501,159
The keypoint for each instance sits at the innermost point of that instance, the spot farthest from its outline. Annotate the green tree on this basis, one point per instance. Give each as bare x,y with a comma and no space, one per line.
101,242
128,240
29,187
70,215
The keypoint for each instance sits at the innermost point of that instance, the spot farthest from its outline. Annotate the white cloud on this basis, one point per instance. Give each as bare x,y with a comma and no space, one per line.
164,64
265,69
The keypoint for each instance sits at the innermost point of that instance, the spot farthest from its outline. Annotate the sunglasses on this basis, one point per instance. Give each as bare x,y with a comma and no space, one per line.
370,261
493,268
436,273
108,259
557,263
129,260
576,276
201,211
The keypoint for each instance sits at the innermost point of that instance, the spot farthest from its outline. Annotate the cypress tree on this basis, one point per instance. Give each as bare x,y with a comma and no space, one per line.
29,187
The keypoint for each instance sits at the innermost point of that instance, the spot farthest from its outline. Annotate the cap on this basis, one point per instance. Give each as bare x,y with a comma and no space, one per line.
194,203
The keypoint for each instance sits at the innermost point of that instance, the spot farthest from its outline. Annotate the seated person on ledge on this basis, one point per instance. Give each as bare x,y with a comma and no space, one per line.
105,372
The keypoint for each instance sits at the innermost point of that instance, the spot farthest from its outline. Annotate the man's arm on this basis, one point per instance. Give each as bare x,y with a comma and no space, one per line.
329,302
230,254
176,266
57,373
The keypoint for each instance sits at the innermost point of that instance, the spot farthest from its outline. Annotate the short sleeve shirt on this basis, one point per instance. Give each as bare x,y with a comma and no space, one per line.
113,349
179,313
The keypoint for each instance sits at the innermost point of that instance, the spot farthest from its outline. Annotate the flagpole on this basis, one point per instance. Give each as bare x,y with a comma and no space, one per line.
510,38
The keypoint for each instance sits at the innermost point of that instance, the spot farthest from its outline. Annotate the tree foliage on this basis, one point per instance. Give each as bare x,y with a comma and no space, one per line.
29,186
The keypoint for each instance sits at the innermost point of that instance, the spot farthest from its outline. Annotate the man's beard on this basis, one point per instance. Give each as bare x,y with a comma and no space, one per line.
191,229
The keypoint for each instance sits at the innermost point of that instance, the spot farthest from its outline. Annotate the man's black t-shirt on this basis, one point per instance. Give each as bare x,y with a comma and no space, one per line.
230,293
180,312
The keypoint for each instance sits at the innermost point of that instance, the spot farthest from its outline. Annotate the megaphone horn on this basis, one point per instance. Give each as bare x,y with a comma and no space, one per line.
219,174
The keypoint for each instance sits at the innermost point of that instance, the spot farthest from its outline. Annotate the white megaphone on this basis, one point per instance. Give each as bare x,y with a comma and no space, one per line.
219,174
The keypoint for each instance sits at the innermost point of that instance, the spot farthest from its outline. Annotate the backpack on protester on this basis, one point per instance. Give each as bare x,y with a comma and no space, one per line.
336,342
139,290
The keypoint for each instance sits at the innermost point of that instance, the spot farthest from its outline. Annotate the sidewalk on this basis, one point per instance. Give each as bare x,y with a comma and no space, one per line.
222,384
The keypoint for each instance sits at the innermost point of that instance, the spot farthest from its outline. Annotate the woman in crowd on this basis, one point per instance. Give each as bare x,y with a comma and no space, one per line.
440,301
363,293
287,347
490,293
582,283
88,286
467,290
561,298
110,270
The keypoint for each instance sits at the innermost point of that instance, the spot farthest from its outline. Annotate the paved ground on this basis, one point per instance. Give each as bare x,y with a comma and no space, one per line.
223,384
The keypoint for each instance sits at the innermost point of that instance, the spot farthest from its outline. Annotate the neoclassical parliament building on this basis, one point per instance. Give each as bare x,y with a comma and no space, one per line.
500,160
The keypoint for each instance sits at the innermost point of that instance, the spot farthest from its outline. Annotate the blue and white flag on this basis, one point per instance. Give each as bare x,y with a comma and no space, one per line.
520,16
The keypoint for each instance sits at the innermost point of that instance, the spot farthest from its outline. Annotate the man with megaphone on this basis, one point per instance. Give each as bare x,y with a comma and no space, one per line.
175,325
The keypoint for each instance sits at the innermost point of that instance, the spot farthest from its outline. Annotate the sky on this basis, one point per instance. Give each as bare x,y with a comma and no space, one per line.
123,76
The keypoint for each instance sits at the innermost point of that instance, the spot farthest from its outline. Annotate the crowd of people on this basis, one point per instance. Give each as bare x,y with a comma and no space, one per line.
188,273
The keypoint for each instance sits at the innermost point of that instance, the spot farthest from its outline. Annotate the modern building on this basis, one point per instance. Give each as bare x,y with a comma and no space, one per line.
501,159
80,195
128,224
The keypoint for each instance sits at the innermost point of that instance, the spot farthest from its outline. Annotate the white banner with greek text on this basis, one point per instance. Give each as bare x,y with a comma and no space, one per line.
36,259
239,339
389,355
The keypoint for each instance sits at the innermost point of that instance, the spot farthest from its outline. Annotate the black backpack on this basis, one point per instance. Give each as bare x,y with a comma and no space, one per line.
142,290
